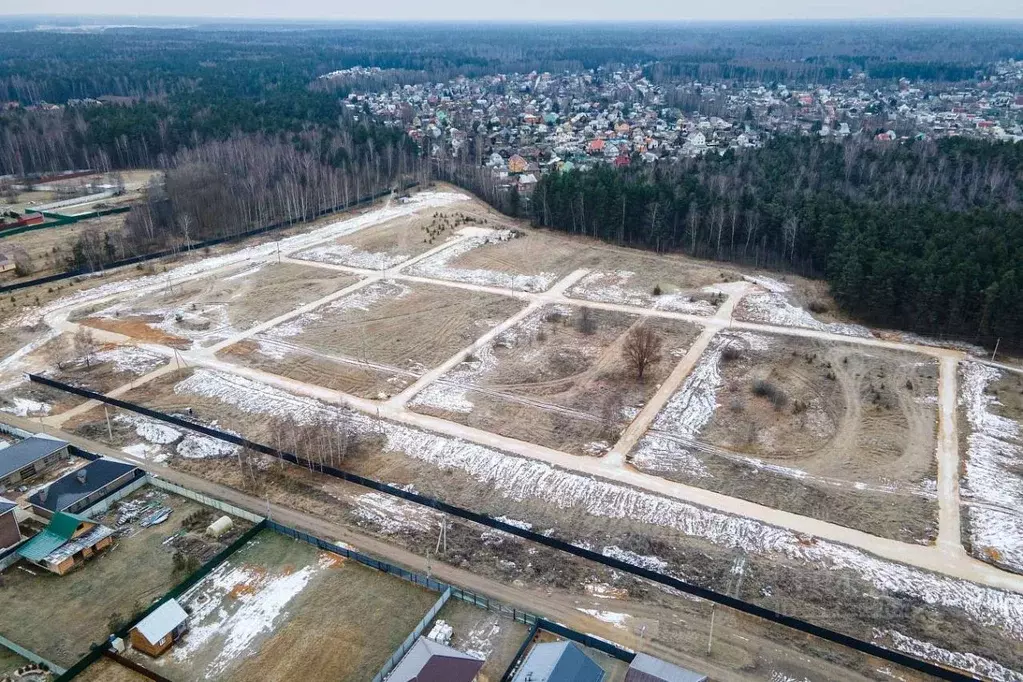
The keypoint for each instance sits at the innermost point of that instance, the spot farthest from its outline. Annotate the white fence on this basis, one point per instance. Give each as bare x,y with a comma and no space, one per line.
31,656
205,499
411,639
75,201
106,503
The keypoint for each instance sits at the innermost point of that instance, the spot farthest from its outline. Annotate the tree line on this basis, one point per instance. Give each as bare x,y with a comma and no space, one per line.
922,236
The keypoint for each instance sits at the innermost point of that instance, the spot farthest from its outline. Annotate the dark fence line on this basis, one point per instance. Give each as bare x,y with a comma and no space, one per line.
79,272
790,622
132,665
96,651
366,560
84,454
513,666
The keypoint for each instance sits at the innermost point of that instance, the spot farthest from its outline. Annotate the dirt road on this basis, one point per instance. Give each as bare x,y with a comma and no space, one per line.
555,605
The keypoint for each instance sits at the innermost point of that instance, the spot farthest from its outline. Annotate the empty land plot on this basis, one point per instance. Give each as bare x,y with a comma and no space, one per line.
389,244
393,325
824,430
335,372
794,302
209,309
991,440
557,379
279,608
58,617
483,634
669,283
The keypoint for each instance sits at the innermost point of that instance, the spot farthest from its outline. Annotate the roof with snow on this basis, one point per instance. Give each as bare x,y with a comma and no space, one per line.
645,668
28,451
64,492
562,661
430,661
161,622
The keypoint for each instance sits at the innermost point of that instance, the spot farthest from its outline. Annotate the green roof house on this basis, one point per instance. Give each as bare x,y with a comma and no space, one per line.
68,541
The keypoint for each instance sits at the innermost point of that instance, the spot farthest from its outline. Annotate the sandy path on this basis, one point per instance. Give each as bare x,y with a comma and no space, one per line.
949,524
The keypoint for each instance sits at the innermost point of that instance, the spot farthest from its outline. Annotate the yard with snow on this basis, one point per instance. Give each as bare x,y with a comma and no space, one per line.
279,608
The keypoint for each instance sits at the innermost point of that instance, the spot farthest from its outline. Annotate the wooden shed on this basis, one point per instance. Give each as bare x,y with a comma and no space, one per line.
159,630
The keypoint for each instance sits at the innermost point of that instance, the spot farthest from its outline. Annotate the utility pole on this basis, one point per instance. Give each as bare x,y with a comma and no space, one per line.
738,573
995,352
442,538
110,431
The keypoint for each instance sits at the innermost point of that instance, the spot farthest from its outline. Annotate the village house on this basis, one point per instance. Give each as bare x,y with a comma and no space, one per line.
10,534
83,487
155,633
430,661
29,458
646,668
563,661
69,541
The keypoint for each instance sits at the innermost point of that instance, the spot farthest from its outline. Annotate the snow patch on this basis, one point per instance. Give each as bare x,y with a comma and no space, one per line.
992,485
971,663
23,407
438,266
618,620
774,308
346,254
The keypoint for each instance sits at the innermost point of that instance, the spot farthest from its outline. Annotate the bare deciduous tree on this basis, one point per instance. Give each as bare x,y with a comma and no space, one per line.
85,345
642,348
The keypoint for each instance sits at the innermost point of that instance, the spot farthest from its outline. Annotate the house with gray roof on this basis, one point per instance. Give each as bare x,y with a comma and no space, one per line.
29,458
155,633
563,661
10,534
83,487
430,661
645,668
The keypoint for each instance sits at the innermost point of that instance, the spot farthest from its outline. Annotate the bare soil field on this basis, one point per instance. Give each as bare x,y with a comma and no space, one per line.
990,418
664,282
279,608
557,379
397,325
391,243
209,309
58,617
483,633
335,372
824,430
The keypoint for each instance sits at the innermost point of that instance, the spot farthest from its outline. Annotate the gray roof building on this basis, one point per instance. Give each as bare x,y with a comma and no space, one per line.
15,457
84,486
6,505
646,668
430,661
563,661
167,618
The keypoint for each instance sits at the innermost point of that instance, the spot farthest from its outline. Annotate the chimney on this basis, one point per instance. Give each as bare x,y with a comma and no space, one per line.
80,475
42,494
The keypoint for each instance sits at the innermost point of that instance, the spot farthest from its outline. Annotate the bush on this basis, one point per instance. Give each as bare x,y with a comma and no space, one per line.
657,290
730,353
585,323
818,306
765,389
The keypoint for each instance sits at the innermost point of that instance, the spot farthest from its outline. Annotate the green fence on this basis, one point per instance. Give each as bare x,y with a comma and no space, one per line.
96,651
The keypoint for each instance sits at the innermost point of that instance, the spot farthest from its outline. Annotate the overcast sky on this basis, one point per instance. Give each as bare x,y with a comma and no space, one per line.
532,10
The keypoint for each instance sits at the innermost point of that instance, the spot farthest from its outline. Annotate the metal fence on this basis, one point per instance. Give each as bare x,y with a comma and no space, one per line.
749,608
31,656
158,482
410,641
107,502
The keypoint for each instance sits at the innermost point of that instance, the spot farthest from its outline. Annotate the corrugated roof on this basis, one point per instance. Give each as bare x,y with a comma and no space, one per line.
62,527
162,621
562,661
430,661
656,670
28,451
65,491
